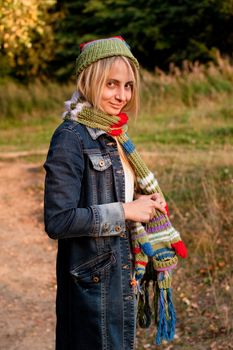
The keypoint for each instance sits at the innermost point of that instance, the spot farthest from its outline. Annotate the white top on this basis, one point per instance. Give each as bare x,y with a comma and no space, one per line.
128,172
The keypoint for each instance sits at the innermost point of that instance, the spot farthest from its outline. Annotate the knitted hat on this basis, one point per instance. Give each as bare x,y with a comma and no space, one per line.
95,50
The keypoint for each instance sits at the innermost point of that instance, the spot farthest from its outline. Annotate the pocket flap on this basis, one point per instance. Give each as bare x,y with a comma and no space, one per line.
94,265
100,161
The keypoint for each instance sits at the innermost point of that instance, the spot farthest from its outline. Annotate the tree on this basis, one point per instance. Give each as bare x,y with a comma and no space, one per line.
159,31
42,37
26,36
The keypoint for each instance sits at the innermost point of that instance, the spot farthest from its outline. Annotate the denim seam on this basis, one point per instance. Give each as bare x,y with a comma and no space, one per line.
96,225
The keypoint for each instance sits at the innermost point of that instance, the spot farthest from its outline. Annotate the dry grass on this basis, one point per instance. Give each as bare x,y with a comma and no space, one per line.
199,185
186,86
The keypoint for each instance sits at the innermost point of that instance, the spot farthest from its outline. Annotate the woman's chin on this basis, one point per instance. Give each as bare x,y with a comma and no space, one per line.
113,111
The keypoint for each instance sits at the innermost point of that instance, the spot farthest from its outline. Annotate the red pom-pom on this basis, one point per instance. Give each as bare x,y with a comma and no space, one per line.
180,249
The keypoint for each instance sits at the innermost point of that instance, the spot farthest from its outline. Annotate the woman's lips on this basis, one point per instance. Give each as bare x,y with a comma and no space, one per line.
116,106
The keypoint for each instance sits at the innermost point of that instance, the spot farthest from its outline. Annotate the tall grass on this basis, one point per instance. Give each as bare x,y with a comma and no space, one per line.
199,189
21,103
29,114
161,92
191,106
187,86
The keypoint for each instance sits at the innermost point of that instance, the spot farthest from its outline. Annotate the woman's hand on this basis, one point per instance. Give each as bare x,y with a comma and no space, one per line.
143,208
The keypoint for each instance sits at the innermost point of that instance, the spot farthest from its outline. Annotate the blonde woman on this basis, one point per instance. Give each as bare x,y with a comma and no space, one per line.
91,206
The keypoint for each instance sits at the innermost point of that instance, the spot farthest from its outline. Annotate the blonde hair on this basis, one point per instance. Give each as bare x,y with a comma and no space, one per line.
91,81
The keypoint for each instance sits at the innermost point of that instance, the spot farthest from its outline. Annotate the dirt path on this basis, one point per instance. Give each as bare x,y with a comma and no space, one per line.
27,261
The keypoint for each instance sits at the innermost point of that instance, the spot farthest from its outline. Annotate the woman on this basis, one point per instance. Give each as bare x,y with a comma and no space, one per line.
91,202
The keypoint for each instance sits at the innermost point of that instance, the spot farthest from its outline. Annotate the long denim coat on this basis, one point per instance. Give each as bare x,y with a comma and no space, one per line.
84,191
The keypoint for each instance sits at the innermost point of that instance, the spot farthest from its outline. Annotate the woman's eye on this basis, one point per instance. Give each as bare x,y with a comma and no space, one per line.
110,84
129,86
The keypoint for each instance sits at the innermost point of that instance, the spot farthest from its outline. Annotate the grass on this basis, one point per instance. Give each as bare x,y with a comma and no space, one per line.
185,134
199,188
209,123
30,114
192,107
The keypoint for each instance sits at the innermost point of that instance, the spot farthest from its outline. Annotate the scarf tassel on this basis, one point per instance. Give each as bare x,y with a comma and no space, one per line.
166,317
144,309
163,308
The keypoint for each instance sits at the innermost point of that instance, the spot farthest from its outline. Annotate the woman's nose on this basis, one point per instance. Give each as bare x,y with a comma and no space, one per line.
121,95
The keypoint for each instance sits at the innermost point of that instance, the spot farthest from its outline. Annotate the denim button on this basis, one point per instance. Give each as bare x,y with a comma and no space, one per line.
101,163
123,235
117,228
129,297
95,279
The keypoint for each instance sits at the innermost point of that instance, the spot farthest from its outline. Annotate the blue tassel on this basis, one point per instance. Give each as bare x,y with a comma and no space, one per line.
172,316
162,322
166,327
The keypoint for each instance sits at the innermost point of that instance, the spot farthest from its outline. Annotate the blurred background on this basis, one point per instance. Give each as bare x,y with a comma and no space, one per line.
184,132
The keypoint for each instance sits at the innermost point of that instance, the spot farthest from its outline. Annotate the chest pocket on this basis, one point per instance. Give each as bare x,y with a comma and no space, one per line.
100,162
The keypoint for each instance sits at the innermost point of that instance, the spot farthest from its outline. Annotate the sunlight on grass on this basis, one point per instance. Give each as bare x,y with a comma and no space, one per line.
191,107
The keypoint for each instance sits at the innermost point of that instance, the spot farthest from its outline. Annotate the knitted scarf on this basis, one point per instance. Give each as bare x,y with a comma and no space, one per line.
156,244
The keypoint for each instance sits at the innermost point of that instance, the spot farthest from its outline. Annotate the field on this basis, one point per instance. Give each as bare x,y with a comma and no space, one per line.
185,134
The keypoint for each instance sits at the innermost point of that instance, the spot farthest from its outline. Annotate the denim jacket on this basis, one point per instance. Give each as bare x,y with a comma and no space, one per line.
84,191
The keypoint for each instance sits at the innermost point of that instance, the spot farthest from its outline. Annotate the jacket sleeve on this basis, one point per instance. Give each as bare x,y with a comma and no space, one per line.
63,218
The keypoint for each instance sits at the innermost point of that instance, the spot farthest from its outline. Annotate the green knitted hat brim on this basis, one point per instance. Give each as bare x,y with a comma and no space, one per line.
103,49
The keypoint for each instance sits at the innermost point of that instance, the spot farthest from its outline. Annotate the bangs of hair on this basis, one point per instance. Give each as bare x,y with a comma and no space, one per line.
91,81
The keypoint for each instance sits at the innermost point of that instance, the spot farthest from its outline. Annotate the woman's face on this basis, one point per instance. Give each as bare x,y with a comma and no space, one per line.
117,90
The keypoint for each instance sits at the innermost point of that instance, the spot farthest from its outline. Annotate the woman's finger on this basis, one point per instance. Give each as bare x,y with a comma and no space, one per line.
160,207
158,198
152,214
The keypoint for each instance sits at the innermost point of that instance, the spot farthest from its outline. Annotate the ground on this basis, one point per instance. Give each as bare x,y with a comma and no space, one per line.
27,261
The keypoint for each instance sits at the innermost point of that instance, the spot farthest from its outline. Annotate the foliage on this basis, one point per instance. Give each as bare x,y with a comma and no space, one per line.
41,38
67,31
26,37
159,31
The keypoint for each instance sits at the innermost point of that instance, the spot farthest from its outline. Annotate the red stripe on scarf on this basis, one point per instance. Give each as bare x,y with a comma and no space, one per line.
136,250
143,263
116,129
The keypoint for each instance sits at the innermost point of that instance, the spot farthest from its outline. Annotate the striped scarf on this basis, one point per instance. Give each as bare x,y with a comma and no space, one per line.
156,244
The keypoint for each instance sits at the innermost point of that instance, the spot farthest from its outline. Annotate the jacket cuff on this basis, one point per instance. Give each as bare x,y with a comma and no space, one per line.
109,219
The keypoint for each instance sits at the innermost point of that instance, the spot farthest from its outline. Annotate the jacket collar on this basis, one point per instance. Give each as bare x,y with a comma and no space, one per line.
95,133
